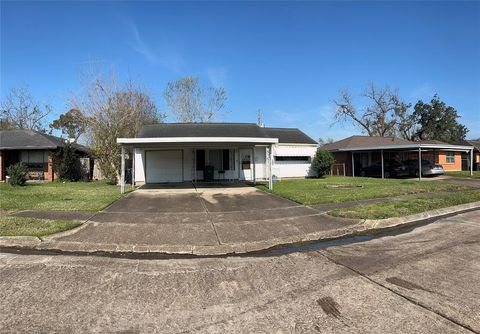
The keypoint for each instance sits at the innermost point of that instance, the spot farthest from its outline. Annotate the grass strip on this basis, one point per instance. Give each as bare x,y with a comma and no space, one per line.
406,207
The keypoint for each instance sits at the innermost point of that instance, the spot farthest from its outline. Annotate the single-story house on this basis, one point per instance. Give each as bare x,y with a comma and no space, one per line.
356,152
476,154
34,149
177,152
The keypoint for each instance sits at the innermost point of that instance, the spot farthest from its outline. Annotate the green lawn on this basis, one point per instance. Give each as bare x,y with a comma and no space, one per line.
406,207
52,196
476,174
24,226
317,191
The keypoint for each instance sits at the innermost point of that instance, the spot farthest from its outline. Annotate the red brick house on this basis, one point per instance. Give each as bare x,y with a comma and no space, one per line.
356,152
34,149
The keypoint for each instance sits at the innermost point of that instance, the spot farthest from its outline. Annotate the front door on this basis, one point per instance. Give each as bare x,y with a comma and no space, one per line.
246,164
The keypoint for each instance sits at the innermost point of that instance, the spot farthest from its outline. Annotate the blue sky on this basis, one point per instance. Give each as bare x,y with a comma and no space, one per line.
288,59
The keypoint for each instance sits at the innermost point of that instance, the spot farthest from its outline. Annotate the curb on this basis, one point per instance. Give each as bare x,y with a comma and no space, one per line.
50,244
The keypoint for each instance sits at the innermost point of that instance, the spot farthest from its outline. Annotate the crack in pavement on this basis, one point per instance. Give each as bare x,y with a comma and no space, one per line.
207,212
418,303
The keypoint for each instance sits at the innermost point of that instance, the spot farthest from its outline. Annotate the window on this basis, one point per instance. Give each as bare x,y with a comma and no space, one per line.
226,159
450,157
302,159
200,159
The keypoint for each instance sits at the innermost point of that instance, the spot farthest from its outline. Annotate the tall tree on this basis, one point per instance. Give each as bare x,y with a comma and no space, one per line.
191,102
385,114
72,124
19,110
113,110
437,121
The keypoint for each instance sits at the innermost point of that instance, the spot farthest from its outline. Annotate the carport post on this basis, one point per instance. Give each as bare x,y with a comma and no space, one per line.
419,163
253,162
133,167
122,172
471,162
383,171
270,155
353,166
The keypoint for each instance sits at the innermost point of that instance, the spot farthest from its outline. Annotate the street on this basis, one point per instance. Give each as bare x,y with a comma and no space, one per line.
425,280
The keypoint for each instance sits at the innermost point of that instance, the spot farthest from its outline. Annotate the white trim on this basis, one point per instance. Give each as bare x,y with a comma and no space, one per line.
412,146
197,140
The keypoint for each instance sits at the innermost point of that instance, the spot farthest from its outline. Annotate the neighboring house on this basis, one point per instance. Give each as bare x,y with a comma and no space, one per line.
177,152
34,149
356,152
476,154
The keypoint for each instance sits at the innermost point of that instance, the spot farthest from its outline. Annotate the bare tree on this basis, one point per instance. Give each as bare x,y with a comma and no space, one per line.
385,114
193,103
112,110
19,110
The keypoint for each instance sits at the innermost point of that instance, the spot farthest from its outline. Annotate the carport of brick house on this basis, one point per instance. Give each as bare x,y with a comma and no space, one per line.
449,156
165,160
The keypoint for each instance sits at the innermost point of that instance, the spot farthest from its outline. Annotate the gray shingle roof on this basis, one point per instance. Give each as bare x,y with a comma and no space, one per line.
284,135
32,140
289,135
364,141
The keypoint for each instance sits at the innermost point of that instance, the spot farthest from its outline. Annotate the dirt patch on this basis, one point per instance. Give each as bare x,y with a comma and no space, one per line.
329,306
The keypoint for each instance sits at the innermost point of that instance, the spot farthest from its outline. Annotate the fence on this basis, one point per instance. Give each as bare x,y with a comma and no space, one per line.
338,170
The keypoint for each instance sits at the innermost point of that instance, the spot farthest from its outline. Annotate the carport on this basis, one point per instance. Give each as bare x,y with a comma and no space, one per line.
362,150
175,159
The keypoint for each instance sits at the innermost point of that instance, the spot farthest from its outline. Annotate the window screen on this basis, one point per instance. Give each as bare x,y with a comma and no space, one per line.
298,159
226,159
450,157
200,159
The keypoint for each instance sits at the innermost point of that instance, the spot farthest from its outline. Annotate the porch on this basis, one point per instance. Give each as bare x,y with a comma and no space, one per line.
162,160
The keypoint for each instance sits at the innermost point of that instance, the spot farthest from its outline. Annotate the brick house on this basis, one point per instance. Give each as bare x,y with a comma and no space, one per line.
34,149
356,152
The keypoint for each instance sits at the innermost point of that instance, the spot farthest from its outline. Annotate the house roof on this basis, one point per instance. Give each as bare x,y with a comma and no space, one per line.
32,140
364,141
359,143
289,135
222,130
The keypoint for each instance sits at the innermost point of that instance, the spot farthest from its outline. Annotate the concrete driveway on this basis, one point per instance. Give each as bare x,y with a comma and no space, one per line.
185,215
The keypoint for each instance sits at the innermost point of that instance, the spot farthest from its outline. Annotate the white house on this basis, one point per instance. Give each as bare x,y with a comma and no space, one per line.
177,152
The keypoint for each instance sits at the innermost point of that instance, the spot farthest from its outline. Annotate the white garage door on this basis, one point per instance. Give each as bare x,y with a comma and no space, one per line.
163,166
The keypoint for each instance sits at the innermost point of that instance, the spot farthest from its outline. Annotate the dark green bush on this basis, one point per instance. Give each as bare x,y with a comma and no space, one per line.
322,162
18,174
67,164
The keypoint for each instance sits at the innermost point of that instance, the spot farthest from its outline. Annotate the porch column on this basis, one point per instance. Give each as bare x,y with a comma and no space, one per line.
133,167
419,164
253,166
122,171
353,166
270,159
383,171
50,167
2,165
471,162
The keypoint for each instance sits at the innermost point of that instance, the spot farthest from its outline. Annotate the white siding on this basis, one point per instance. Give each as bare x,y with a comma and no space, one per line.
188,164
260,163
139,165
293,168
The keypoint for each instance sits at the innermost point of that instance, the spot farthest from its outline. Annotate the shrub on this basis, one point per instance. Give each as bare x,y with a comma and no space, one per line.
67,164
322,162
18,174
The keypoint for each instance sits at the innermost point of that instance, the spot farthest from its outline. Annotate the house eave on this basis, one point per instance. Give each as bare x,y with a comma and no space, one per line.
407,147
196,140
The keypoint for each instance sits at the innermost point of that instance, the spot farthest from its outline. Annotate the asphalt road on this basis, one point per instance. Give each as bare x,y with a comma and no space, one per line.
427,280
